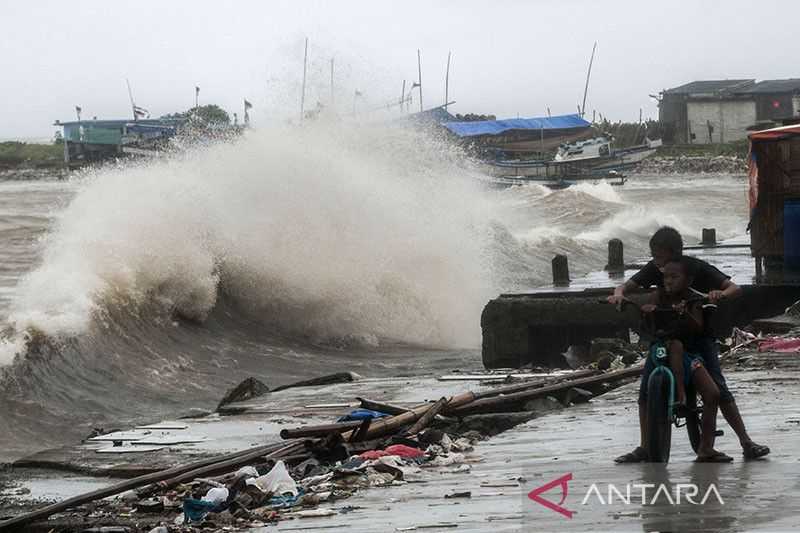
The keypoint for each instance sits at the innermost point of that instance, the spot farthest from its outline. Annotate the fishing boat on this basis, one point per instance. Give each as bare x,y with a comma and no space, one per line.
590,159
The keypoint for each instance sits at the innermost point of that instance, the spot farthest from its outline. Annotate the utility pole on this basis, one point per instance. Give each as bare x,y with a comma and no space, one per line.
196,96
419,72
303,90
447,82
582,109
402,96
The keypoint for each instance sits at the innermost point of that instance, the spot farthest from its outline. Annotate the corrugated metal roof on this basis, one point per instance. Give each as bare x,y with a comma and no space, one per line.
711,86
791,85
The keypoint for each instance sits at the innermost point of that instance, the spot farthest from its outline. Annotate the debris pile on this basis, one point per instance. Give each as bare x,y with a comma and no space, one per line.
316,467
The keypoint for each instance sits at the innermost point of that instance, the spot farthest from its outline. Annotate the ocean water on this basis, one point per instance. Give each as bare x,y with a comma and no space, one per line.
144,290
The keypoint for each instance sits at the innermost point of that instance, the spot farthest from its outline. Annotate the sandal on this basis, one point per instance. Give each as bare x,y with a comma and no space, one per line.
751,450
718,457
639,455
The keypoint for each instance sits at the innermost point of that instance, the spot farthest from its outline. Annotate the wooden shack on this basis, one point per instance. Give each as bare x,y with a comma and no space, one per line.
775,198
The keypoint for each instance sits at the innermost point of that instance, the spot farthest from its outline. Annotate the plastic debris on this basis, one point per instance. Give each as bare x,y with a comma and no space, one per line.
276,481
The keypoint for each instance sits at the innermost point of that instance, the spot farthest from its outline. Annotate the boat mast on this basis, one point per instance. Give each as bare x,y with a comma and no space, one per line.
303,90
419,73
130,95
588,73
447,82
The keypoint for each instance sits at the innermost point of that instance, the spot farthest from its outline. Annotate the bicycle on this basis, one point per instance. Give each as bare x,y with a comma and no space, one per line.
662,410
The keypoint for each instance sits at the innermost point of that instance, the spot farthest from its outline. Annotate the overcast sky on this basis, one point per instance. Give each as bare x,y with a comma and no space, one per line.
510,58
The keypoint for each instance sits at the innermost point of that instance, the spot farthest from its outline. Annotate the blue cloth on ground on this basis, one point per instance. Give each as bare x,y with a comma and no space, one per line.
361,414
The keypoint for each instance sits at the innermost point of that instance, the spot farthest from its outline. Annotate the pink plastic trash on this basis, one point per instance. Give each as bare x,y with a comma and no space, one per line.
373,454
779,345
404,451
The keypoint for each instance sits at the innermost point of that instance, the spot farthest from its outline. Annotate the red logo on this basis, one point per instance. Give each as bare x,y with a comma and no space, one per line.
562,481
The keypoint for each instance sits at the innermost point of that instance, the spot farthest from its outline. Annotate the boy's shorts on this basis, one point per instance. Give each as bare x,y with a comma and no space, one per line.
709,352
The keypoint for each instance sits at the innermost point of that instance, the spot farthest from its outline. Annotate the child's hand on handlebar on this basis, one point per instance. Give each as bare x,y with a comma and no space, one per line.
680,307
616,299
715,296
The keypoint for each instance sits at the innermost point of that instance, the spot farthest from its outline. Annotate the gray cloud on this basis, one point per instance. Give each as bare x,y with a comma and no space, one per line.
509,57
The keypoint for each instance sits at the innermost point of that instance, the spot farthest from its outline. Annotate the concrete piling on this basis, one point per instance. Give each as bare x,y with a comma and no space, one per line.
560,270
709,237
616,260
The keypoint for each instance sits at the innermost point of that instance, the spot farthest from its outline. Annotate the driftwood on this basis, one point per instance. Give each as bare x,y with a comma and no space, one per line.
330,379
502,403
426,419
196,469
319,430
381,407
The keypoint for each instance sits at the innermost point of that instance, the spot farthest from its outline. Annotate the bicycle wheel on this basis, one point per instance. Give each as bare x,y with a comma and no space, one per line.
694,421
659,419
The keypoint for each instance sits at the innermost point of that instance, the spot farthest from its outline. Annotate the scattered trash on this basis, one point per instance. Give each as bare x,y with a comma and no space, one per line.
277,481
465,494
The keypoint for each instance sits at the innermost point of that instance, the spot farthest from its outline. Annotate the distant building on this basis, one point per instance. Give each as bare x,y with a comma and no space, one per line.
721,111
92,140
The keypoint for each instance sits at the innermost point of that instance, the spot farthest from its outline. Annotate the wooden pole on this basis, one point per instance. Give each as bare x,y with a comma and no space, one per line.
560,267
447,82
616,259
508,389
588,73
303,90
197,469
419,74
402,96
322,429
428,417
387,408
502,402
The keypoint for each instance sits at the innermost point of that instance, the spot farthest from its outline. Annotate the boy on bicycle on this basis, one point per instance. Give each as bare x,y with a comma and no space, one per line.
667,244
677,314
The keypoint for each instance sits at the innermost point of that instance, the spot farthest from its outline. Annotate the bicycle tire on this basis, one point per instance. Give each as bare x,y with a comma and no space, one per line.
694,421
659,419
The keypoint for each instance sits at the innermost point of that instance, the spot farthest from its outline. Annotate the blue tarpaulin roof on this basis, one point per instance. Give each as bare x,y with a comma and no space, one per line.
496,127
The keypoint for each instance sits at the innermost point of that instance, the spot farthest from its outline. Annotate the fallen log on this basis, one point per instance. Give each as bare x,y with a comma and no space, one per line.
204,466
426,419
319,430
501,403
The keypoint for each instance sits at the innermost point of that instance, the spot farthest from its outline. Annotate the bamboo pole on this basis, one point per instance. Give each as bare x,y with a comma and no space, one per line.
384,426
501,402
387,408
507,389
426,419
319,430
289,449
196,469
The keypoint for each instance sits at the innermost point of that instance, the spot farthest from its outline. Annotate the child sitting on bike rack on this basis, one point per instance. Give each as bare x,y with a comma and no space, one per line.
677,315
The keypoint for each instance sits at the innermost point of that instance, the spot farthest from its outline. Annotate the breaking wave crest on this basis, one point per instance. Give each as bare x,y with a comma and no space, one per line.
322,232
